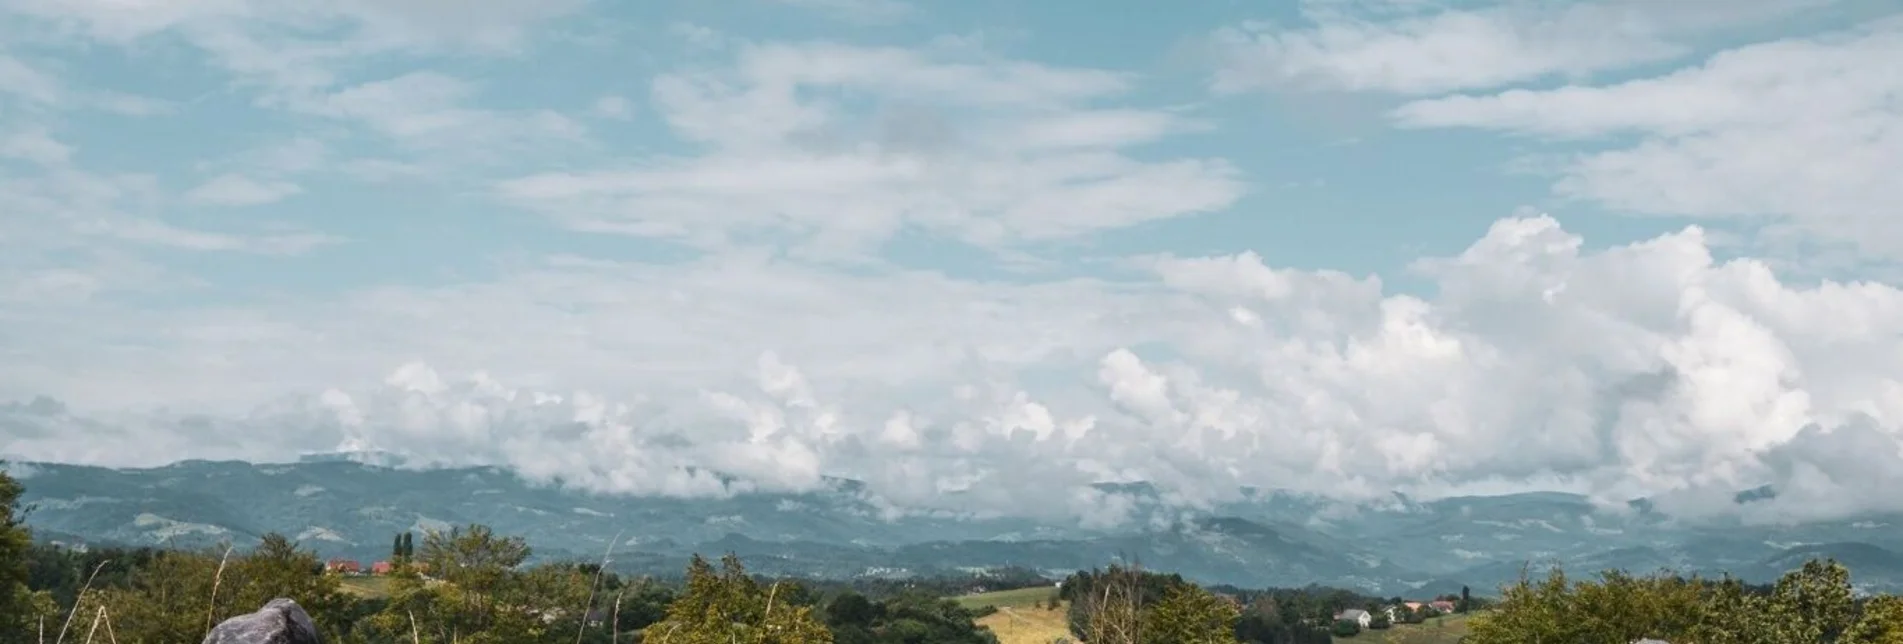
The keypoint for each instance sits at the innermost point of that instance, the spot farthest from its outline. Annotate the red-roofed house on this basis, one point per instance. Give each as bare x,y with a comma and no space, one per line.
345,566
380,568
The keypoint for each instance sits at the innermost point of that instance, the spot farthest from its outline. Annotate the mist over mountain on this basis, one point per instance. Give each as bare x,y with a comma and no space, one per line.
340,505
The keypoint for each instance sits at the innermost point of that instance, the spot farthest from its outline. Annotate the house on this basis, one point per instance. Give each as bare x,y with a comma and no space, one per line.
343,566
380,568
1413,607
594,617
1355,615
1442,606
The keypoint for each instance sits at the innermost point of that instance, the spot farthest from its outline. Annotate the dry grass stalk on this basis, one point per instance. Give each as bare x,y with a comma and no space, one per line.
415,638
590,604
216,579
614,619
77,599
98,615
110,636
766,617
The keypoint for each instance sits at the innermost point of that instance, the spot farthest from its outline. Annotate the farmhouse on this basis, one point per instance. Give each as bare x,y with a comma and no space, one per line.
380,568
343,566
1355,615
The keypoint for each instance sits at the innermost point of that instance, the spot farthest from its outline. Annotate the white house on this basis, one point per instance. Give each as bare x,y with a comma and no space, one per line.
1355,615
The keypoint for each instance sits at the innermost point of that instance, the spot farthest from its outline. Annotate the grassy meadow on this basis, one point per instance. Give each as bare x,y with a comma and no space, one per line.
1439,630
366,587
1021,617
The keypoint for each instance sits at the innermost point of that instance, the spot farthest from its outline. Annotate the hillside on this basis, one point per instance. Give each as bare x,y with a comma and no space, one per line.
339,507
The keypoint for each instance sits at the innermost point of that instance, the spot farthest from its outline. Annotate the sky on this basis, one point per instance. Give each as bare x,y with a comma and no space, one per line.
977,254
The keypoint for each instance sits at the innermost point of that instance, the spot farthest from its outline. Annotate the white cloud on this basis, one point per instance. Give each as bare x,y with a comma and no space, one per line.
23,80
429,110
1637,370
1805,133
861,11
990,151
240,190
36,145
614,107
1419,48
466,25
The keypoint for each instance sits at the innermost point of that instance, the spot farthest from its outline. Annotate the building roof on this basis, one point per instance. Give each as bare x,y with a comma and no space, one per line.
1352,613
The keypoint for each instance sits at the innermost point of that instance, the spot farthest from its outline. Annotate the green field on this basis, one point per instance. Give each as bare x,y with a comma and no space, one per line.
1019,598
1439,630
368,587
1021,617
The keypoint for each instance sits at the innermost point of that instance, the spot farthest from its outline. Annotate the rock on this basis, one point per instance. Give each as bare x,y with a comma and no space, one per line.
281,621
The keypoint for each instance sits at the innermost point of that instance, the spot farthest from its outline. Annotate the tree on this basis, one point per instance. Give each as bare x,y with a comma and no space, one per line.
851,609
1807,606
16,601
1347,628
1466,600
1813,603
1188,614
477,564
728,606
276,567
1380,621
1881,622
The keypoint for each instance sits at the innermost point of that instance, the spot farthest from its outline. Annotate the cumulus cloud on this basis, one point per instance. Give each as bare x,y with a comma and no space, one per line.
1650,369
240,190
1804,133
1408,47
993,152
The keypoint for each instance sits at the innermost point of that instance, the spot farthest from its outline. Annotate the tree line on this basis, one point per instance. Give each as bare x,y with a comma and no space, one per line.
1815,604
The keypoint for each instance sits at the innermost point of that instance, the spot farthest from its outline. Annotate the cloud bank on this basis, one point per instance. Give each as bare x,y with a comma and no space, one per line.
1650,369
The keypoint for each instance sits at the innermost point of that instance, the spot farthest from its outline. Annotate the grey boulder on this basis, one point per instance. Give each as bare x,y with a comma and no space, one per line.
281,621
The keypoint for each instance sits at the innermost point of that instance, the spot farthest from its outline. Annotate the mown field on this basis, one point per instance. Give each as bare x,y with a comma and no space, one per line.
1439,630
367,587
1021,618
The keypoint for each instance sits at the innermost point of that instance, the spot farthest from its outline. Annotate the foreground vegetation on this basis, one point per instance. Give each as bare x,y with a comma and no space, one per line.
481,591
1813,604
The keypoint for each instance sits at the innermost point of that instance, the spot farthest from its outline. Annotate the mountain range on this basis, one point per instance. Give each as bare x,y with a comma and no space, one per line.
344,507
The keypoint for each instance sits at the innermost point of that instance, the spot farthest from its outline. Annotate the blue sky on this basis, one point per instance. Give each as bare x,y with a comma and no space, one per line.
815,231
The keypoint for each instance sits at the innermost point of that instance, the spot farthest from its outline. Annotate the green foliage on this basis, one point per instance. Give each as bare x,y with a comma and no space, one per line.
1347,628
18,616
1881,622
1807,606
1380,622
1106,605
727,606
1188,614
906,618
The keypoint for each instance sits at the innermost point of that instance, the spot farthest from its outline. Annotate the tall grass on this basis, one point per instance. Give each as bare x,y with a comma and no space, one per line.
77,599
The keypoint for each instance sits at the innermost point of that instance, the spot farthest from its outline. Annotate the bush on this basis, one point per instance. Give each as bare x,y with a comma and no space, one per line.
1347,628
